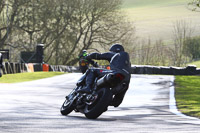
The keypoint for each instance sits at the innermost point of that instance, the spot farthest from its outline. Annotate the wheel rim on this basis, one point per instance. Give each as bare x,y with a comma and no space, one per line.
100,94
66,104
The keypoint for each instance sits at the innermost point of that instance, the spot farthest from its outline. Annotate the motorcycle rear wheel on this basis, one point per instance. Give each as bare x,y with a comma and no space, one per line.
102,102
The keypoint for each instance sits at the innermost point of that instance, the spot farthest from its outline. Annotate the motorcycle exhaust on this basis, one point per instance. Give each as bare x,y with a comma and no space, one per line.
105,80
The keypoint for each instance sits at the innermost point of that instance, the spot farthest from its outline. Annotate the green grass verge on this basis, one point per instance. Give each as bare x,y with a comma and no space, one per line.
187,95
22,77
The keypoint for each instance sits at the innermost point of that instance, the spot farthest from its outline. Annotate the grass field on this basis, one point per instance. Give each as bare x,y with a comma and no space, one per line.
22,77
188,95
155,18
197,63
140,3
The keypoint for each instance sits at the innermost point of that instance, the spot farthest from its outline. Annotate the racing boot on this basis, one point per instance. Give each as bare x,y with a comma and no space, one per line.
117,100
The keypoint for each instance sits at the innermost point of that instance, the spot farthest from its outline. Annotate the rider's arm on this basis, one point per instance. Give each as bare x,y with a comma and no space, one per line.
100,56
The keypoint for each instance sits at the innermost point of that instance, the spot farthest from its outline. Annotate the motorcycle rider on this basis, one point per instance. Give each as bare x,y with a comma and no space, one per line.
119,63
84,63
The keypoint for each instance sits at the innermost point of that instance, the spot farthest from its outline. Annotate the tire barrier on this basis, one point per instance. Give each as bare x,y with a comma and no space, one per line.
189,70
63,68
10,68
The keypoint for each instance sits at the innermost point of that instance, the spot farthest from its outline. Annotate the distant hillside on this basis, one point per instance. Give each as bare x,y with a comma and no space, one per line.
155,18
142,3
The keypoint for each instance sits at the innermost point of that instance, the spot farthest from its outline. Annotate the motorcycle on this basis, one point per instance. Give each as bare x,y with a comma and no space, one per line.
93,104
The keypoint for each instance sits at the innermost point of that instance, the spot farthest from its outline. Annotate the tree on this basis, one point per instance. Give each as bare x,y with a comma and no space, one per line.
92,24
99,23
8,11
151,54
194,5
192,48
65,27
28,24
181,32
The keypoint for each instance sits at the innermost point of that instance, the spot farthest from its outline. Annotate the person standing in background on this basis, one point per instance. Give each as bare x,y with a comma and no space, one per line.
1,63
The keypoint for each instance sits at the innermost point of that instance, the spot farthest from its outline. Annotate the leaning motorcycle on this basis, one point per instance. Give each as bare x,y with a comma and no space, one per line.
93,104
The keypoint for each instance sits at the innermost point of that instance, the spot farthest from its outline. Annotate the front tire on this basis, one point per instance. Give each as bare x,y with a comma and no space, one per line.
67,107
101,104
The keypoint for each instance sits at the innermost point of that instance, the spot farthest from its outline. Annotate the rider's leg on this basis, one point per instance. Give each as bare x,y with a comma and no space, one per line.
81,80
90,76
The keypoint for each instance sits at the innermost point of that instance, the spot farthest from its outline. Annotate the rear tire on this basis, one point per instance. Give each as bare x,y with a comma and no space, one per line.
101,104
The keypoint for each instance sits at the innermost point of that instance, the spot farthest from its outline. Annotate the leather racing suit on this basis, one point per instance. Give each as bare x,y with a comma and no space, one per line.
119,63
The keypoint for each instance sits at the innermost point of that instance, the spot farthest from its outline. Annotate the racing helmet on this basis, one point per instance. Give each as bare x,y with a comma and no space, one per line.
116,48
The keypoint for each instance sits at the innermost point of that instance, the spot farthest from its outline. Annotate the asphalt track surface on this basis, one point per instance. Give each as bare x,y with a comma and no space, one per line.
33,107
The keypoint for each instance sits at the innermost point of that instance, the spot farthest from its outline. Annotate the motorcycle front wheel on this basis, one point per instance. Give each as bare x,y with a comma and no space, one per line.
67,107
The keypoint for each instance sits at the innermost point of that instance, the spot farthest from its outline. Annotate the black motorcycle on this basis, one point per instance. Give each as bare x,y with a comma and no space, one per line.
95,103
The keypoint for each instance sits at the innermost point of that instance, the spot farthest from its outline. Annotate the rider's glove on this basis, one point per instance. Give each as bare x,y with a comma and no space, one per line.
88,57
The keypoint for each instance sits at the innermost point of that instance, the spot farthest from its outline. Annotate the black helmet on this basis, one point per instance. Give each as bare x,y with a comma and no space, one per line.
116,48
